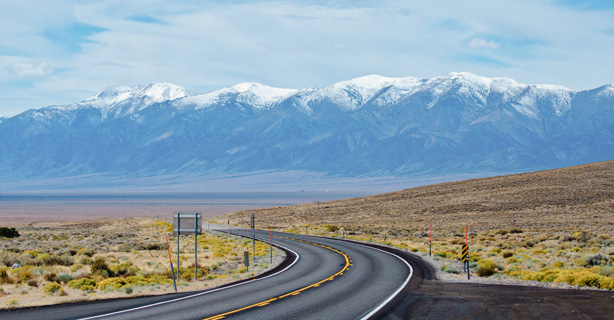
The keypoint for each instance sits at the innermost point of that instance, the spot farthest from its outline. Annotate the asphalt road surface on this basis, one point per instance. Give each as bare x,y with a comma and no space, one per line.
334,279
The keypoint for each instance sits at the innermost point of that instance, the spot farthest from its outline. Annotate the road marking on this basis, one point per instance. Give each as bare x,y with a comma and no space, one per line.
381,305
198,294
296,292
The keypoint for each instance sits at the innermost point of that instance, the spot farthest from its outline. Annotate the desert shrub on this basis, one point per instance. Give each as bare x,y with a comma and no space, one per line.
84,284
516,230
124,269
558,264
587,279
30,253
507,254
486,268
51,277
606,271
8,232
528,243
124,247
581,236
100,267
64,278
5,278
332,228
53,289
504,245
449,269
33,283
23,275
598,259
500,231
128,290
85,260
53,260
153,246
119,283
8,258
28,260
75,267
86,252
82,275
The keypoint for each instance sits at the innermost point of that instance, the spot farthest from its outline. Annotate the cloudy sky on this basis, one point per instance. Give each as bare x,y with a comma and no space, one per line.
59,52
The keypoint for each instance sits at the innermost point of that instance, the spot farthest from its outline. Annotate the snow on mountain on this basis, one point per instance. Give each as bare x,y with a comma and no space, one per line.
122,100
253,94
456,123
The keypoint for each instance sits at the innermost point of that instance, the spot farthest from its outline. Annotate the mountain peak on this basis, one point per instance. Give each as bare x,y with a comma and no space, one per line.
149,93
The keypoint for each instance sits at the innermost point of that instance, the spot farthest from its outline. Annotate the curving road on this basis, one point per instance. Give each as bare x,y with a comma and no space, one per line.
335,279
325,279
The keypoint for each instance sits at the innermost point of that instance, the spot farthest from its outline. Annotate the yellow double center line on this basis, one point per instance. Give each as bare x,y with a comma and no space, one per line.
348,262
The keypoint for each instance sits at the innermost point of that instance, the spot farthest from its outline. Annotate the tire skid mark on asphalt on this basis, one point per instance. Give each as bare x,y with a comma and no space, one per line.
296,292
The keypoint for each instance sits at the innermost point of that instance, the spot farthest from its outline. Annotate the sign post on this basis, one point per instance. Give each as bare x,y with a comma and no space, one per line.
246,260
430,243
186,219
271,243
254,236
178,226
465,254
195,245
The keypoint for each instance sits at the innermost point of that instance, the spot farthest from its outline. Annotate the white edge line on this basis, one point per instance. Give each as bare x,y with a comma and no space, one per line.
198,294
381,305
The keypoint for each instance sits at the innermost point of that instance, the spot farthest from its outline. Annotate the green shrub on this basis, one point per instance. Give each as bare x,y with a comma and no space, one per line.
84,284
64,278
123,270
86,252
100,267
8,232
598,259
54,288
449,269
486,268
51,277
53,260
85,260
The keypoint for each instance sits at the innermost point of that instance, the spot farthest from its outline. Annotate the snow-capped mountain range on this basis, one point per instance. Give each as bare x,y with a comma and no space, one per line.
369,126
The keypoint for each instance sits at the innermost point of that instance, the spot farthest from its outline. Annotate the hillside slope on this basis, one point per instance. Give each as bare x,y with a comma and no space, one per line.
574,198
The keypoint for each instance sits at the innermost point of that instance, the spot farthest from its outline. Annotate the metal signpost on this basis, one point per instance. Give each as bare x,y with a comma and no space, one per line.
271,244
188,219
246,260
254,236
430,239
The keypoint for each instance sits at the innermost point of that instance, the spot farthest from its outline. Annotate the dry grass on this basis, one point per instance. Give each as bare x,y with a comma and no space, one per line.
63,262
555,225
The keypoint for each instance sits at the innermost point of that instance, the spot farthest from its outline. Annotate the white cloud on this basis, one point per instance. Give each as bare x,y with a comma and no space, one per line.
30,69
298,44
479,43
15,67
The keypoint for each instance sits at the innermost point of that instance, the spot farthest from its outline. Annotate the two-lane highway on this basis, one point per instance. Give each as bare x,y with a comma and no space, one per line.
329,279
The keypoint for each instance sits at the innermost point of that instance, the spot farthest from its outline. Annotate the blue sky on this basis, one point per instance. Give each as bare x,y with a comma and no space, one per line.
59,52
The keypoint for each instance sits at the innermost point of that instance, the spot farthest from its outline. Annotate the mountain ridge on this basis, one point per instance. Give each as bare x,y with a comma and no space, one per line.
459,123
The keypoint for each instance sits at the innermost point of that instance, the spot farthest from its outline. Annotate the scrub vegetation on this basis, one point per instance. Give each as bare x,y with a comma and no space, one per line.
62,262
554,226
